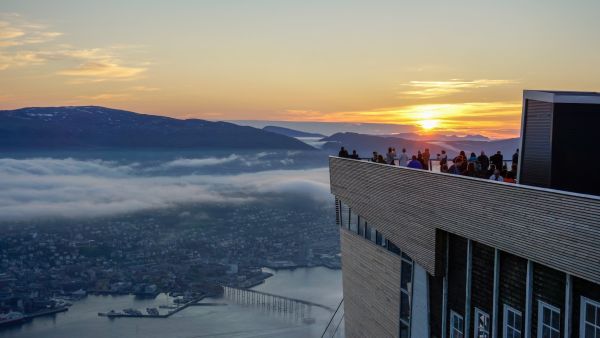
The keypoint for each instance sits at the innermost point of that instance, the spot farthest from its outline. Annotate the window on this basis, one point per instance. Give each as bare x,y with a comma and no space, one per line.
482,324
404,331
361,226
367,231
393,248
373,235
548,321
406,276
512,322
354,220
378,237
349,217
456,325
589,326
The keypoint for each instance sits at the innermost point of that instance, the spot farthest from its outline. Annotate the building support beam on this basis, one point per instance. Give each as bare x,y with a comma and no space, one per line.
468,289
445,288
568,305
496,293
528,298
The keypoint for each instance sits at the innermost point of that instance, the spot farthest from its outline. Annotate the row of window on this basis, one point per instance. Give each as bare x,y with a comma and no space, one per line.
548,325
358,225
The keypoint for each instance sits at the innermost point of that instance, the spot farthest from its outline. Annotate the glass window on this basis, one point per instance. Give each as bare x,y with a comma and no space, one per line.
456,325
393,248
361,227
404,333
367,231
512,322
406,275
590,320
373,235
405,306
548,321
354,218
378,237
482,324
349,213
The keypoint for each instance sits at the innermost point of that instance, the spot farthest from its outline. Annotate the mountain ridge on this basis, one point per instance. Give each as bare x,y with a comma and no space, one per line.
102,127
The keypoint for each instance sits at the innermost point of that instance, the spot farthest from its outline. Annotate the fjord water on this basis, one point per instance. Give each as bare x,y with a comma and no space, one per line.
320,285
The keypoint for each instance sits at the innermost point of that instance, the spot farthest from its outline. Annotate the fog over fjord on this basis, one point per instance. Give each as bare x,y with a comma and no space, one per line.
42,188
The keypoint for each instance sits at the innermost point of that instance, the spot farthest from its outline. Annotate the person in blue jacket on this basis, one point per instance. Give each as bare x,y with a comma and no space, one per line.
414,163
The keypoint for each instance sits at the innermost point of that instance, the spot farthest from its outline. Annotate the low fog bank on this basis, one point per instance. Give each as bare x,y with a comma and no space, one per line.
48,188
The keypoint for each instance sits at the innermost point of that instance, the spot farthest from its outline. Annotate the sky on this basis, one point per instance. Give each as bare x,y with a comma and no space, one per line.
445,66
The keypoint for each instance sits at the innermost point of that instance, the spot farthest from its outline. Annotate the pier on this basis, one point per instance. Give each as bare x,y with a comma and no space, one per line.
283,306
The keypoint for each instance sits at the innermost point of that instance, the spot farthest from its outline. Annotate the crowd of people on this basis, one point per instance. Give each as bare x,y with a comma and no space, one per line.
482,166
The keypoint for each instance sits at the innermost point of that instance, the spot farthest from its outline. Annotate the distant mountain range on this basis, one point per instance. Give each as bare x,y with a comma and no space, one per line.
99,127
290,132
439,137
366,144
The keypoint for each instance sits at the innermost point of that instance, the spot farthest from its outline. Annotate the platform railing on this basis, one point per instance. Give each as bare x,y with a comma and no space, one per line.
333,326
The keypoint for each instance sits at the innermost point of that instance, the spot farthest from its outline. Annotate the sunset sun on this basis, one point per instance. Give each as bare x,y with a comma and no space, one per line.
428,124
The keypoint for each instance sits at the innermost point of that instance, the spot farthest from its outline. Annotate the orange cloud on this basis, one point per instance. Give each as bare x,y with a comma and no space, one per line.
103,69
431,89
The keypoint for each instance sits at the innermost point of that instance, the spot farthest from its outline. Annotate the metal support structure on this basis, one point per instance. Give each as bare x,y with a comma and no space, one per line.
468,289
496,293
445,288
528,298
568,305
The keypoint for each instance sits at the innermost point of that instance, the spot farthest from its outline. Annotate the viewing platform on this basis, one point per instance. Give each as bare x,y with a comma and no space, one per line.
408,206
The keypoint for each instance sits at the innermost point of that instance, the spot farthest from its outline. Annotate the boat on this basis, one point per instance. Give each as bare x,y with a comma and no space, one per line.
152,311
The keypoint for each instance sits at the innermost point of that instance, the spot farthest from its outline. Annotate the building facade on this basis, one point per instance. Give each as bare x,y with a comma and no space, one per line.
429,254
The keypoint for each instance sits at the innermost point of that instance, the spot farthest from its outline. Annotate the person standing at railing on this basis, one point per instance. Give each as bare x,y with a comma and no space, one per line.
354,155
374,158
443,159
484,162
515,159
343,153
497,159
403,158
415,163
389,157
426,157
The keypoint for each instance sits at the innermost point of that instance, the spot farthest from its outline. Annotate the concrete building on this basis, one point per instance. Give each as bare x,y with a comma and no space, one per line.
428,254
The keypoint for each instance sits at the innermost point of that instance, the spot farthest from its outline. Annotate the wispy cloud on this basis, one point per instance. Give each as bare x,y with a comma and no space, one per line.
44,188
106,97
23,43
16,31
103,69
431,89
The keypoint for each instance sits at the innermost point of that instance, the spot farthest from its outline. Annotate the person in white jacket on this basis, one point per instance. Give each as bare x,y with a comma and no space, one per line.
403,158
496,176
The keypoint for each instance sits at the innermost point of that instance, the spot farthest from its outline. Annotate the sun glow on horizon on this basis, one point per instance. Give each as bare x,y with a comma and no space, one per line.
428,125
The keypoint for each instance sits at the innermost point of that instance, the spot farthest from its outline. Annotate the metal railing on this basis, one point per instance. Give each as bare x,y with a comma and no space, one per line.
434,164
335,321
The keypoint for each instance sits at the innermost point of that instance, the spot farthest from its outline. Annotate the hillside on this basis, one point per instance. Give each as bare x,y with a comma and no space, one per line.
99,127
290,132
